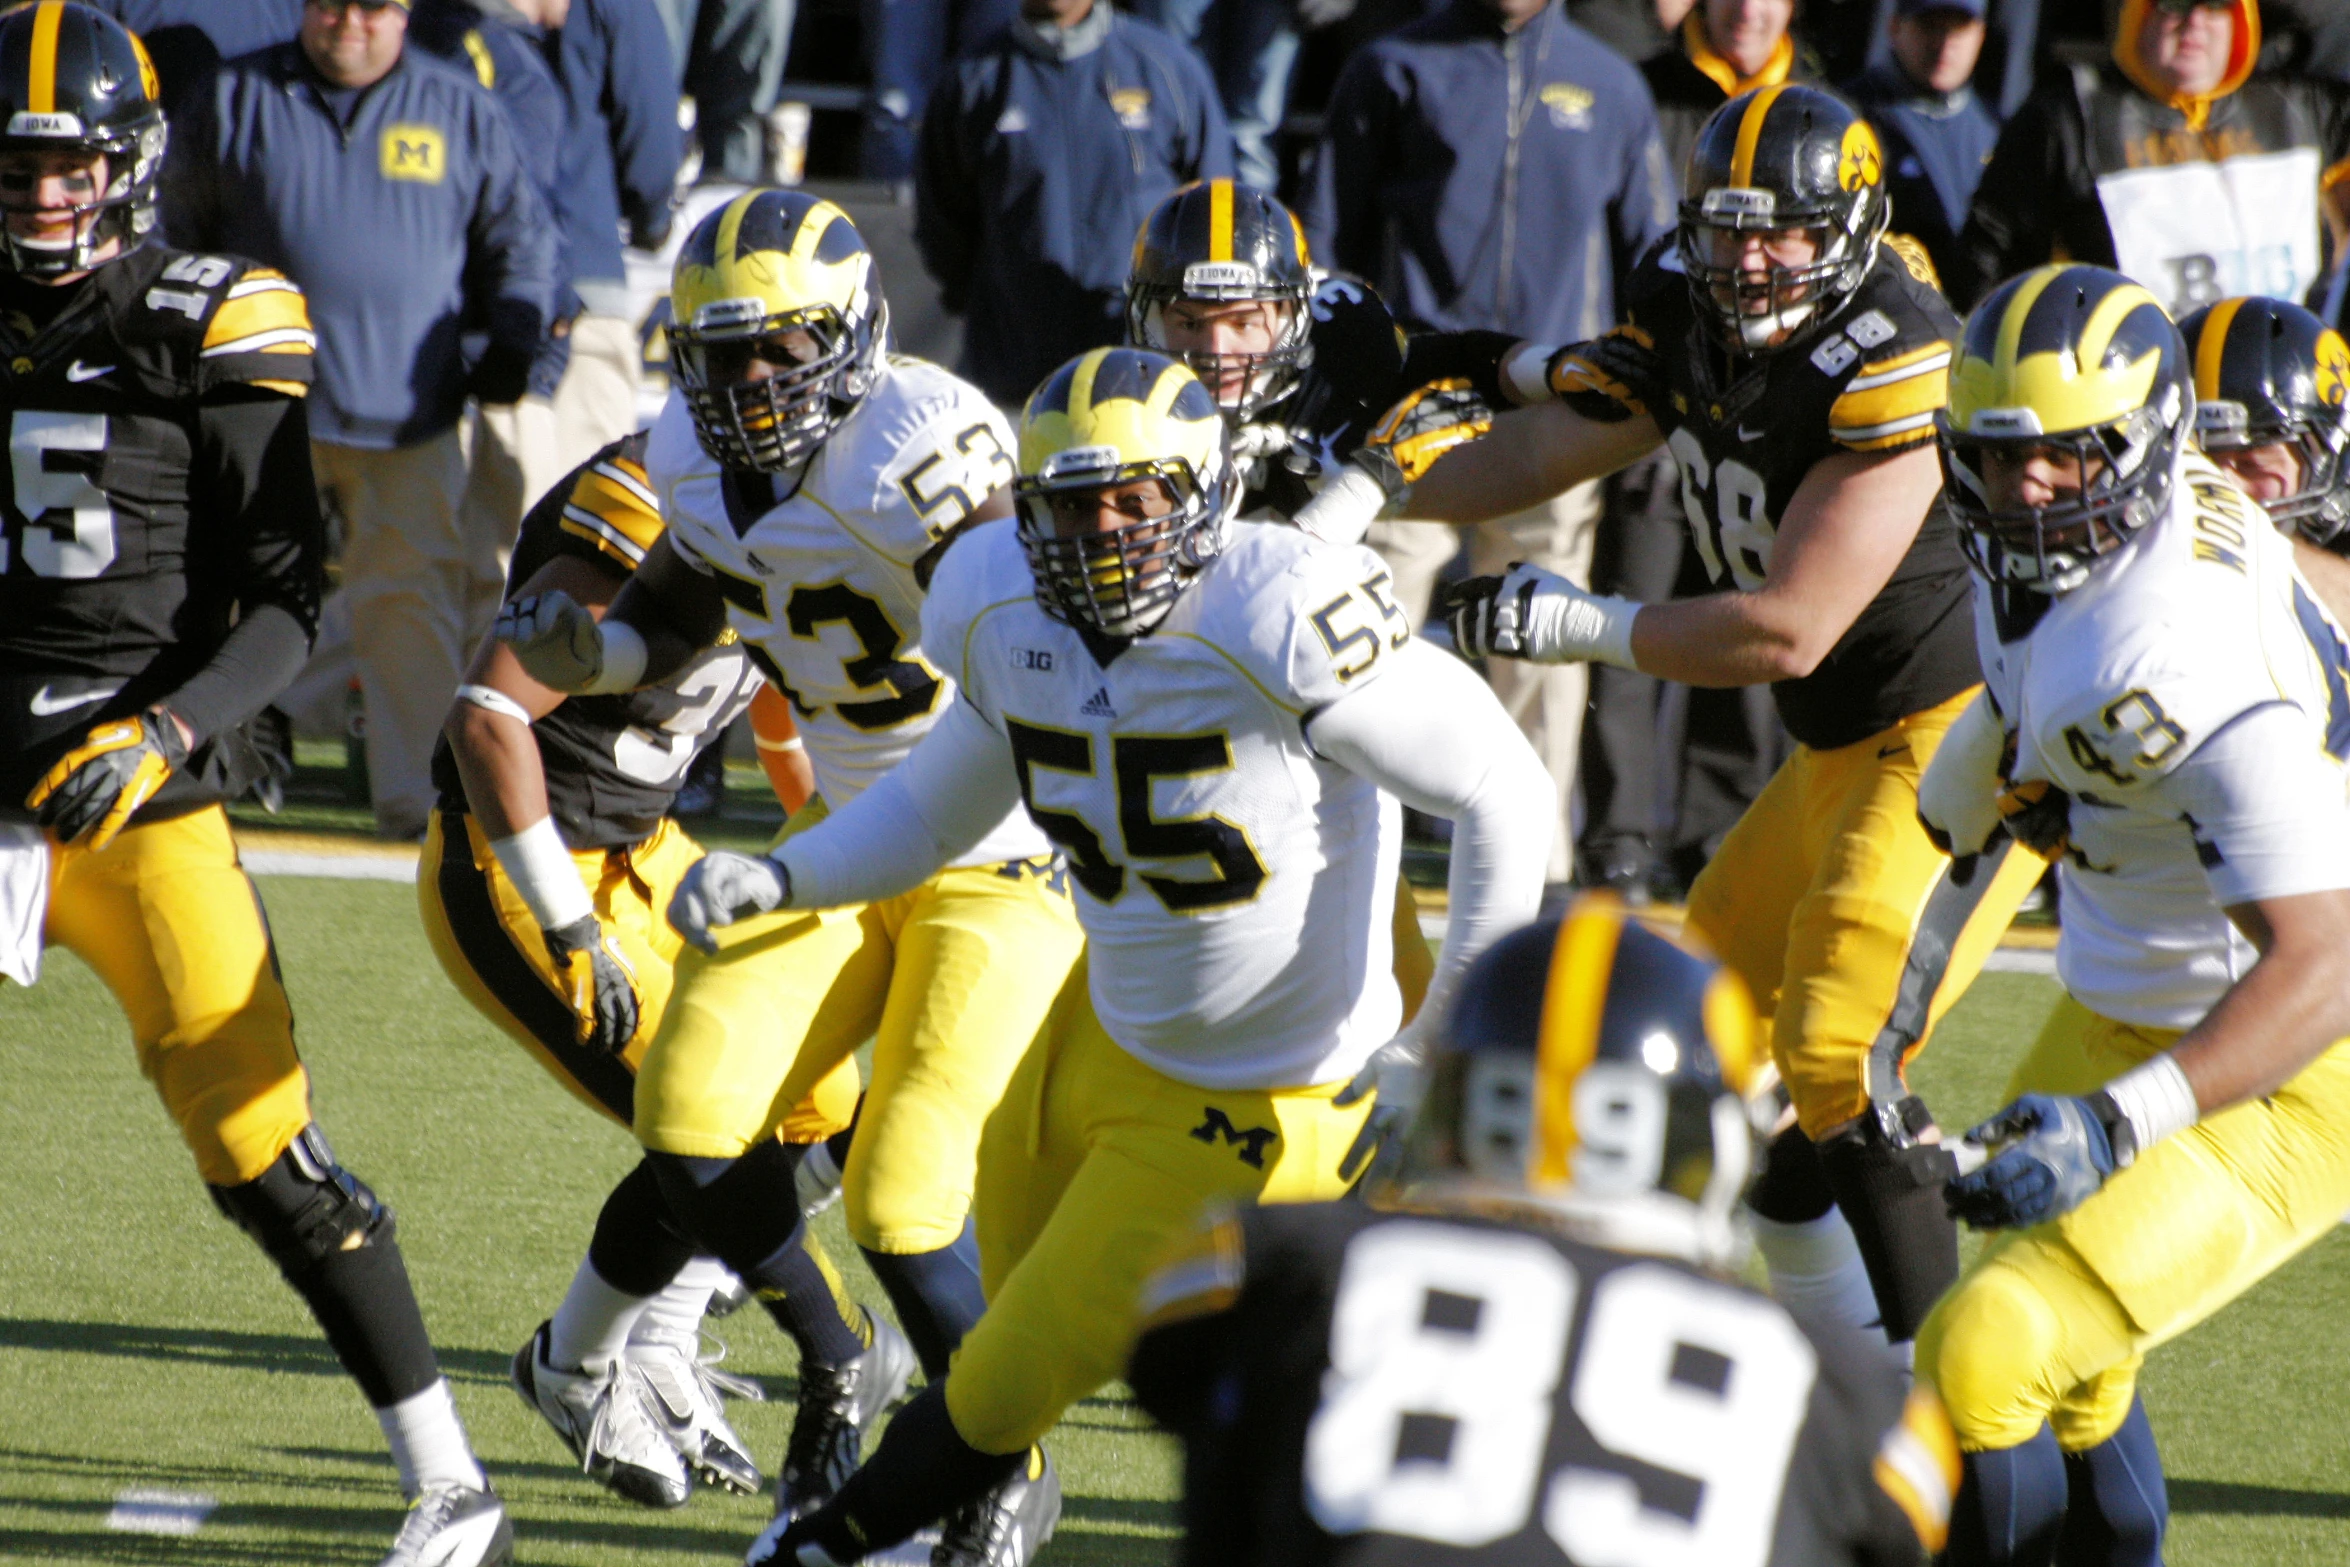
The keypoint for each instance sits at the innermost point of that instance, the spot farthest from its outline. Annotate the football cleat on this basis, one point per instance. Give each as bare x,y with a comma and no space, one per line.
1007,1526
818,1180
686,1393
838,1408
454,1526
607,1421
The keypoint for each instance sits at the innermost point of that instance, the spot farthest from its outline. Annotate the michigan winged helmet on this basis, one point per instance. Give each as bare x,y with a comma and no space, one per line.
1131,431
76,82
778,327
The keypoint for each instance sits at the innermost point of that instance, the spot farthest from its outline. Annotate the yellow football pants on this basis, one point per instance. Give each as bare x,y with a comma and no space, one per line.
1824,898
951,982
2052,1323
174,927
1092,1168
490,945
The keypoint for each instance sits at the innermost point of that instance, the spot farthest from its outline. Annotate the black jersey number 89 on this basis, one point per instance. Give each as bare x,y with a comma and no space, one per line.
1447,1350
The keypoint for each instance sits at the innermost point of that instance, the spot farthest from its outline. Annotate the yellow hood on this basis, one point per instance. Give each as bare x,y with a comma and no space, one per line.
2196,107
1700,50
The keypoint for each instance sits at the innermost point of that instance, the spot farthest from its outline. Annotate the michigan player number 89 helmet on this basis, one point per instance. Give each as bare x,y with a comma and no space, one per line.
1130,433
1596,1073
2078,364
75,81
777,279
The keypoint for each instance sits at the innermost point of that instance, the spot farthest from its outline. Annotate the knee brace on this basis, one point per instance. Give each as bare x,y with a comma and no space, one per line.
306,1208
1891,1192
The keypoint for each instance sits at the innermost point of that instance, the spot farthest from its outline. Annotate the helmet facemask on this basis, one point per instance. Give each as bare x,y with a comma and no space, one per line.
1757,313
1121,581
1263,379
124,210
2318,508
775,422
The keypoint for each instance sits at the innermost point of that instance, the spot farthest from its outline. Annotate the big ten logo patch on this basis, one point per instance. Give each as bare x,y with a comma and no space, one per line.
1132,105
413,152
1569,105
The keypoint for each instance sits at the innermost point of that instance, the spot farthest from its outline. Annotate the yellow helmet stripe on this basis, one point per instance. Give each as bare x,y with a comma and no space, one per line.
730,227
1081,384
41,91
1219,220
2214,347
2019,310
1750,125
1304,257
1574,999
1170,386
2097,332
813,225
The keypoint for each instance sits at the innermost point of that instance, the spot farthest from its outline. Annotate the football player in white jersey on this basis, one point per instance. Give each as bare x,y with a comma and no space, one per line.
806,474
1214,720
2167,703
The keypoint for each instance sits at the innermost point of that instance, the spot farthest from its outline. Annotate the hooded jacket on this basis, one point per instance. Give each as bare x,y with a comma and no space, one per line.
1692,81
2196,196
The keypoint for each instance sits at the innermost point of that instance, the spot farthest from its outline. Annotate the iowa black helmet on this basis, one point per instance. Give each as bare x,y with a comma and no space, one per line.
2081,363
1219,242
1597,1071
1776,161
2269,373
76,82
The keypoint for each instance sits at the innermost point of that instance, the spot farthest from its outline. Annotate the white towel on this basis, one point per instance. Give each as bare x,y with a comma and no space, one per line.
24,900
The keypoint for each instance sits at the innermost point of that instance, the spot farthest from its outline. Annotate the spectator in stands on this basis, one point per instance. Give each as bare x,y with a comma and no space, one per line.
1467,217
1041,154
1639,30
188,38
1727,47
2172,163
729,54
1937,133
1251,48
389,186
908,44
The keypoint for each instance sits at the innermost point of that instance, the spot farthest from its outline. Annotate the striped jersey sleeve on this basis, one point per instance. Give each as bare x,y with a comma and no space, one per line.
1890,402
260,335
1917,1465
611,506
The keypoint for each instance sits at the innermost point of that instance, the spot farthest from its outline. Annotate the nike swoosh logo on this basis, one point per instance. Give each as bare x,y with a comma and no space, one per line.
46,706
1893,750
1751,436
77,371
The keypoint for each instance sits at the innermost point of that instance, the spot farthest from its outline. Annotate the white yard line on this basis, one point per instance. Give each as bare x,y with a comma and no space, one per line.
141,1510
335,867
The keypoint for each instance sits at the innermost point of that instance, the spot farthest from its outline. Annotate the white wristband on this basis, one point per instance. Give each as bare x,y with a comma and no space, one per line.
1344,508
492,700
541,869
793,743
2156,1099
624,660
1565,625
1610,635
1525,375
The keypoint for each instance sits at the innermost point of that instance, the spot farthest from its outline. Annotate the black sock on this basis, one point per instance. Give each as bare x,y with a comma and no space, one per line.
2010,1506
638,1247
936,1294
802,1291
1892,1198
922,1471
2118,1506
365,1305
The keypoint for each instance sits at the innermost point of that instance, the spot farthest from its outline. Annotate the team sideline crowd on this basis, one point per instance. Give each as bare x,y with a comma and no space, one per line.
1096,722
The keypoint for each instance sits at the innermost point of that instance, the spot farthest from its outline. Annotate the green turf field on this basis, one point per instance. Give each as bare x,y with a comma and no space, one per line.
146,1346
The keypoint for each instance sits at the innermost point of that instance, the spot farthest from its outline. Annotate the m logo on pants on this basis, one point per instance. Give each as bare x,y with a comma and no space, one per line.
1250,1140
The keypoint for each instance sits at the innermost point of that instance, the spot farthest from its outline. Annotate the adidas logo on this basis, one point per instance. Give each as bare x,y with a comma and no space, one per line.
1098,704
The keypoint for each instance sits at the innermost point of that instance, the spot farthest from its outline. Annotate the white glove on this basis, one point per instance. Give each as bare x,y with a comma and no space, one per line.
1958,798
1539,616
723,887
1397,1072
557,641
1346,505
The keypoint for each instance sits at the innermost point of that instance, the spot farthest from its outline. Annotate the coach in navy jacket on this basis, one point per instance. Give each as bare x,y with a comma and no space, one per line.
1041,155
1486,175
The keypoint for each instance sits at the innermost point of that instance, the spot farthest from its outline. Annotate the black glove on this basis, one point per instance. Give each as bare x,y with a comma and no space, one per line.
596,980
96,787
2038,815
502,374
650,230
1426,424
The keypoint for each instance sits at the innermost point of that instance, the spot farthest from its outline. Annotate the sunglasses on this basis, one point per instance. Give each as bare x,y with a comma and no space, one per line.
2189,7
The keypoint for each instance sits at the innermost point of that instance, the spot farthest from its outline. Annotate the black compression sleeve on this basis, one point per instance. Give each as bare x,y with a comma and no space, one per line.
256,511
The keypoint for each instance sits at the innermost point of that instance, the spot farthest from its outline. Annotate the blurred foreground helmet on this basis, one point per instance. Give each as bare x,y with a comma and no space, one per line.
779,278
1767,162
2079,364
2269,373
76,82
1597,1072
1128,426
1216,243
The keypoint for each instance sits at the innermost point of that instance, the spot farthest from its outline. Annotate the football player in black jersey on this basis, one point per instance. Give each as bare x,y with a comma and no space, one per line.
1533,1352
1790,357
2272,408
545,874
160,574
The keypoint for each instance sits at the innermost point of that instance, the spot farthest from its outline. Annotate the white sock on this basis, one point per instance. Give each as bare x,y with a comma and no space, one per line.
428,1442
675,1315
1815,1267
591,1327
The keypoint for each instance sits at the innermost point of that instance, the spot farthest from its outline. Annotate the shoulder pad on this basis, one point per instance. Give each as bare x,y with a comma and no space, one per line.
610,507
984,568
949,449
1308,621
256,321
1914,260
1890,355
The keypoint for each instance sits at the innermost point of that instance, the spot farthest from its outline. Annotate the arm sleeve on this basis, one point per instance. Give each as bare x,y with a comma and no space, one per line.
640,104
2265,805
1429,732
930,810
947,220
257,449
